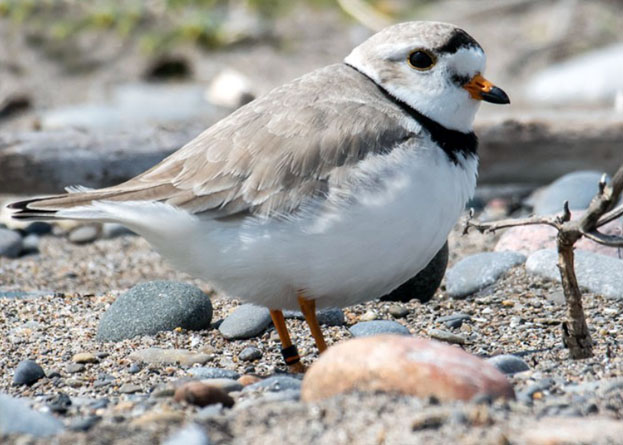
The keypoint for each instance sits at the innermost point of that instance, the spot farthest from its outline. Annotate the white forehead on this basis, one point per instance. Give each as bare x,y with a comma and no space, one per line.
467,60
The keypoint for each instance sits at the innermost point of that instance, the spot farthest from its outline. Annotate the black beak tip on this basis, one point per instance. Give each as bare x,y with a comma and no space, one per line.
496,96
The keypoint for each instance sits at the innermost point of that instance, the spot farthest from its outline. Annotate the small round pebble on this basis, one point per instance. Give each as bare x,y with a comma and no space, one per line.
250,353
509,364
246,321
397,311
275,384
84,357
376,327
446,336
27,373
200,394
454,321
84,234
213,373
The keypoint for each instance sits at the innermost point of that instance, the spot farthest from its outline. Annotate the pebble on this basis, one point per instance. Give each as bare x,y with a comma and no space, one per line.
213,373
402,365
248,379
84,234
160,356
200,394
38,228
578,187
369,328
423,286
369,315
60,404
478,271
84,357
327,317
191,434
10,243
275,383
509,364
246,321
228,385
74,368
454,321
129,388
397,311
16,417
155,306
30,244
83,424
250,353
446,336
599,274
134,368
27,373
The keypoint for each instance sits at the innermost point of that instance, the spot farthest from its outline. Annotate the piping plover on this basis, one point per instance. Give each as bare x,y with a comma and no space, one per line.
330,190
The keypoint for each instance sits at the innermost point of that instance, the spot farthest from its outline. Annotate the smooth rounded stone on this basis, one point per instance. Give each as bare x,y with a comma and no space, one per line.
134,368
10,243
275,383
160,356
509,364
376,327
213,373
155,306
84,234
38,228
369,315
129,388
16,417
250,353
578,187
201,394
246,321
398,311
191,434
227,385
30,243
403,365
332,316
248,379
74,368
599,274
424,285
478,271
529,239
446,336
84,357
27,373
454,321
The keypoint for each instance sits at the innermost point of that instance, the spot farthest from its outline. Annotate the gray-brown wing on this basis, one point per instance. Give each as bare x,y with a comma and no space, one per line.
272,155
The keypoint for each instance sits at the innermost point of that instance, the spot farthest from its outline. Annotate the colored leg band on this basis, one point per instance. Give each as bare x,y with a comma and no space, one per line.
290,355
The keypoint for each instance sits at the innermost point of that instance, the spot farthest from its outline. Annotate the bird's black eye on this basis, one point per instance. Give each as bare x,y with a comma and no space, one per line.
421,60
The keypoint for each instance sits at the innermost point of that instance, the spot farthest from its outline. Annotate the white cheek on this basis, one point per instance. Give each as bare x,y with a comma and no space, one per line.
468,61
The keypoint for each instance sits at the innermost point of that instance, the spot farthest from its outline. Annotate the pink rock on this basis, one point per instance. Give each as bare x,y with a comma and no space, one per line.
528,239
403,365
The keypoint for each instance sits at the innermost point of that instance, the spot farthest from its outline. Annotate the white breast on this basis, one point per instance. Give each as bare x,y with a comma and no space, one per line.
372,237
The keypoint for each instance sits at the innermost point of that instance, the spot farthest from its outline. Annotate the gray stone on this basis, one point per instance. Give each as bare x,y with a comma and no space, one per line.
377,327
129,388
84,234
424,285
509,364
21,295
250,353
599,274
10,243
332,316
27,373
446,336
454,321
16,417
30,243
38,228
155,306
478,271
275,384
84,423
246,321
213,373
227,385
578,188
398,311
191,434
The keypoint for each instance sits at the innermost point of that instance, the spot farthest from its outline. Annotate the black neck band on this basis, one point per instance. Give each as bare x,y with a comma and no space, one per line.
452,142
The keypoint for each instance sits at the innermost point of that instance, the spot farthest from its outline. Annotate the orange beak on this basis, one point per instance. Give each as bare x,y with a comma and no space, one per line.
481,89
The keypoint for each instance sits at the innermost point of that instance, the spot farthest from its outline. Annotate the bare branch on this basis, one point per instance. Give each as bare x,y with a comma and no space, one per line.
486,227
610,216
606,240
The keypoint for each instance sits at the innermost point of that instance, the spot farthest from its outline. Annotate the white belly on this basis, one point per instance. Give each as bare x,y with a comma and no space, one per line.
351,252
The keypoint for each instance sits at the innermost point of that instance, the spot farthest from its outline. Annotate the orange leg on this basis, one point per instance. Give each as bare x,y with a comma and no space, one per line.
288,349
308,308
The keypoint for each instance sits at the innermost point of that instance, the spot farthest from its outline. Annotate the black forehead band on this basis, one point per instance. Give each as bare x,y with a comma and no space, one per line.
459,40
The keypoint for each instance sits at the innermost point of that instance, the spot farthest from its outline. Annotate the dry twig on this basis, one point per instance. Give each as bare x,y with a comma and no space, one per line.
575,334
